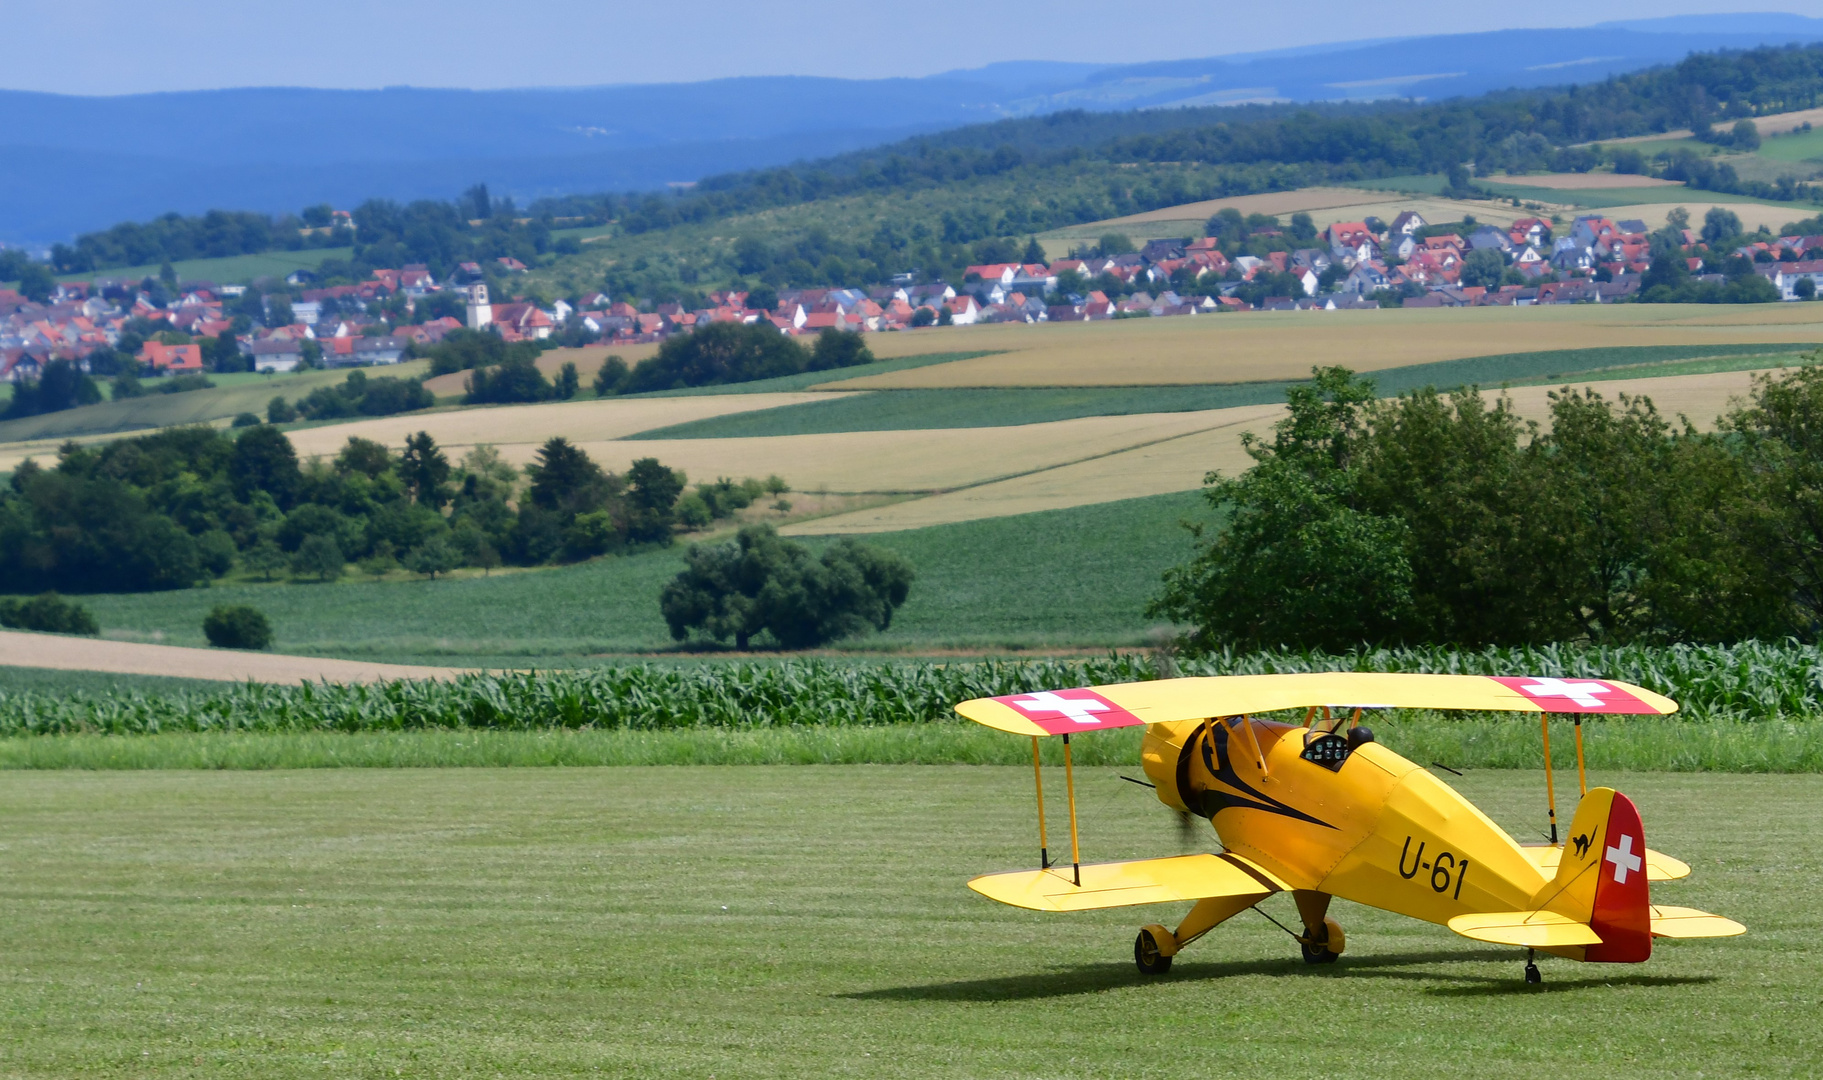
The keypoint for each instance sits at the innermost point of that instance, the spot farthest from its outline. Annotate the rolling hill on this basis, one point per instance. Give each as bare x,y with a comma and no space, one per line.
60,154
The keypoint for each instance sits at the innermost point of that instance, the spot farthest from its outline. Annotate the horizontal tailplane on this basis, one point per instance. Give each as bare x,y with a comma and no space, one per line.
1529,929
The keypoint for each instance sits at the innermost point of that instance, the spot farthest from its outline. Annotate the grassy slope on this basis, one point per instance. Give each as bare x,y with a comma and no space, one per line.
764,922
1798,146
232,394
230,270
1073,577
962,408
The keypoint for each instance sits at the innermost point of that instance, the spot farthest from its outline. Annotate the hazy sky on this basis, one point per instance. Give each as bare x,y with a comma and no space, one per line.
127,46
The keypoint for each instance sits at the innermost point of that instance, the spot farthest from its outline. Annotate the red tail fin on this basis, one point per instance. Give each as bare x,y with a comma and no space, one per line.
1622,912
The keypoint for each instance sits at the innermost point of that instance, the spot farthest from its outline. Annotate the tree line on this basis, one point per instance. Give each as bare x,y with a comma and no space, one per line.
177,508
1447,519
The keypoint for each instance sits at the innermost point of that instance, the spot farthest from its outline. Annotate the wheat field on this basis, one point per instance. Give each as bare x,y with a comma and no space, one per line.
888,462
1273,345
1180,464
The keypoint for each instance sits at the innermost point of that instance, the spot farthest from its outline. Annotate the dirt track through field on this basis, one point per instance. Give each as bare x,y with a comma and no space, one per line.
65,653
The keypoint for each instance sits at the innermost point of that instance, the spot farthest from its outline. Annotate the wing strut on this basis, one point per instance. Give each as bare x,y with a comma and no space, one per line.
1550,789
1044,849
1069,783
1582,773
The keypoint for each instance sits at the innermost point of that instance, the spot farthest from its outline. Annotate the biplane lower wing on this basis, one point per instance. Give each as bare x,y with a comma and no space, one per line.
1659,866
1123,884
1531,929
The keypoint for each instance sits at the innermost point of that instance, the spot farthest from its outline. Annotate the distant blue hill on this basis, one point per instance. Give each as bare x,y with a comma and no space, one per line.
72,164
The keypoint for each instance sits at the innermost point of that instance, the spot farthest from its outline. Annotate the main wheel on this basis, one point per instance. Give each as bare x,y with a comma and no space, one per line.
1327,947
1146,953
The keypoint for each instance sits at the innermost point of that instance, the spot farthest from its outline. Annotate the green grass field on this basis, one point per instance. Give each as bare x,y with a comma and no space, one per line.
1798,146
895,410
808,379
792,922
1060,578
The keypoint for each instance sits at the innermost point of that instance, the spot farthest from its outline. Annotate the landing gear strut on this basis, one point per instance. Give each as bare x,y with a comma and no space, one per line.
1322,941
1532,977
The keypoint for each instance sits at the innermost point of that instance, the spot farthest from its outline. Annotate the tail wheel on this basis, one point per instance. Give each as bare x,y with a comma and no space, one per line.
1147,954
1324,947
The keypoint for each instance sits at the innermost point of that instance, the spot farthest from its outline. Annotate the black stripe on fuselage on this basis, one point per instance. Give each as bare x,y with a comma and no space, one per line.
1212,740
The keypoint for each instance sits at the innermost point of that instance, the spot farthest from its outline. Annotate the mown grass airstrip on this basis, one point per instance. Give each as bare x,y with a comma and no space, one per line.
790,922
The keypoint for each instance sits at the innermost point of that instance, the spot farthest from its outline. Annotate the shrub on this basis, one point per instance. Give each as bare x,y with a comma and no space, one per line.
763,583
49,613
245,419
236,626
516,379
610,376
361,396
279,411
716,354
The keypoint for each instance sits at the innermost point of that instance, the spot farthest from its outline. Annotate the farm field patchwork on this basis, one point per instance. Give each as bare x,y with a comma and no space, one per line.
901,461
1267,346
1062,579
1000,406
743,922
1180,464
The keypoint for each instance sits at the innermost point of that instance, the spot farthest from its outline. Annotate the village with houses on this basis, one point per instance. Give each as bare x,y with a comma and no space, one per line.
1354,265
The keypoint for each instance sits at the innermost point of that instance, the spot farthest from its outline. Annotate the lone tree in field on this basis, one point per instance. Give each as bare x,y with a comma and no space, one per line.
237,627
763,583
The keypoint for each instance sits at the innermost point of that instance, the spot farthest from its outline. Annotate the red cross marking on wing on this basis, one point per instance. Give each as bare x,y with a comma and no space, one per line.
1062,712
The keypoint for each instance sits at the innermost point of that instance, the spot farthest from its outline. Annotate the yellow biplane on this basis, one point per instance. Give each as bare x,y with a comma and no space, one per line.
1320,809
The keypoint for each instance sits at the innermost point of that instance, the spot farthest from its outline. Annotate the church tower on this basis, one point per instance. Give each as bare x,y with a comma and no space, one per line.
480,312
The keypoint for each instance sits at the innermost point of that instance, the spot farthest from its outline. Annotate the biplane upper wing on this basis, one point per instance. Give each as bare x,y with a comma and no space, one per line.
1058,712
1122,884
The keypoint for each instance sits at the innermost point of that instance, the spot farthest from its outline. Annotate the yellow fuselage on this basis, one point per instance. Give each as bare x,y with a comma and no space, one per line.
1375,828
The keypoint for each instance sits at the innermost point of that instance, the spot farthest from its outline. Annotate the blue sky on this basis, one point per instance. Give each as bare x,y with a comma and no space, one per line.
130,46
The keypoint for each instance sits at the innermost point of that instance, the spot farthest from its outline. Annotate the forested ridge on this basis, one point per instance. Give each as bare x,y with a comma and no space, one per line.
1206,153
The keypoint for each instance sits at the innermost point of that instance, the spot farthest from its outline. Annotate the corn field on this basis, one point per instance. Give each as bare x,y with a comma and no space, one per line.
1750,682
